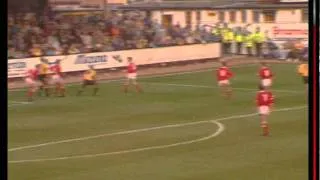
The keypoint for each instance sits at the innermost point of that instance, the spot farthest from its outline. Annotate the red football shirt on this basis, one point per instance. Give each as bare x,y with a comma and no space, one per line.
264,98
224,73
132,68
56,69
265,73
32,73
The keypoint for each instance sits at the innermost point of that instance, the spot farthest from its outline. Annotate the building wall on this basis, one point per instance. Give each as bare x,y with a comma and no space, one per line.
289,16
207,17
178,17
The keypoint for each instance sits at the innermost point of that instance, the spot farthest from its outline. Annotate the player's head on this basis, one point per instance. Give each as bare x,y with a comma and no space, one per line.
58,61
37,66
261,87
223,63
91,66
129,59
43,60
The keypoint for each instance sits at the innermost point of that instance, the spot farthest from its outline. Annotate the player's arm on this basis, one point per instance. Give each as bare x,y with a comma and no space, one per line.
230,74
271,100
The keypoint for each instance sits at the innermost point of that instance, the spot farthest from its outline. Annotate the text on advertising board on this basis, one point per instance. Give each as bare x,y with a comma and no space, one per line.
85,59
114,59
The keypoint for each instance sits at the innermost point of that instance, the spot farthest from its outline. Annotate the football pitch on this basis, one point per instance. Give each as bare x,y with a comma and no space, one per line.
180,128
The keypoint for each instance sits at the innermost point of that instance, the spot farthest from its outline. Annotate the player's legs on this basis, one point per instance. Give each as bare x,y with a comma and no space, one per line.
134,82
264,124
126,85
32,88
228,90
45,85
41,77
60,89
59,86
96,88
225,88
83,86
264,112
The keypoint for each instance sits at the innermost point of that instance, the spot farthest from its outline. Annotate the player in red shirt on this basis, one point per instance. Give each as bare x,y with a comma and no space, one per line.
31,81
264,100
224,75
131,76
265,75
57,78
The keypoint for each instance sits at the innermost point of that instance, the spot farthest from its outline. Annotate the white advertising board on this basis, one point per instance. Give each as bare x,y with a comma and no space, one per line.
105,60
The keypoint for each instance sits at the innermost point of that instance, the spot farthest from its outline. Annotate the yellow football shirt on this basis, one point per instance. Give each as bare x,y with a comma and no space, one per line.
90,75
43,69
303,70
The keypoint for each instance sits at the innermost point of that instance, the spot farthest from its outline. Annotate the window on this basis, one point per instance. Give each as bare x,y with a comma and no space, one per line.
188,18
232,16
198,17
305,15
243,16
221,16
269,16
256,16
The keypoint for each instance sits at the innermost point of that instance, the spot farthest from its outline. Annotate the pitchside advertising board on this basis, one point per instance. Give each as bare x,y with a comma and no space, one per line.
106,60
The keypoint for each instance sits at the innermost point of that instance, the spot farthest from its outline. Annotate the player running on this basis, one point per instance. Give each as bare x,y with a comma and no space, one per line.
89,79
265,75
57,79
31,81
43,76
224,74
264,100
303,70
131,76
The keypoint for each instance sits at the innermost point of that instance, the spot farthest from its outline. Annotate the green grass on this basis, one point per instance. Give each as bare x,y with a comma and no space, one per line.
238,153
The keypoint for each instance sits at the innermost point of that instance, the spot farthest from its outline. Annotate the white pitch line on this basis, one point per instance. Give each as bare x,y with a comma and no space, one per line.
218,132
221,128
214,87
20,102
155,76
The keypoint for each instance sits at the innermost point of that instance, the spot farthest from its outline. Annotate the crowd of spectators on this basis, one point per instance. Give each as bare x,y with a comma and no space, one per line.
61,35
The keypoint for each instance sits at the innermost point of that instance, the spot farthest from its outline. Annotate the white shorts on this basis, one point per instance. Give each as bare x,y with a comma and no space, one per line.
30,82
264,110
223,82
132,76
57,79
266,82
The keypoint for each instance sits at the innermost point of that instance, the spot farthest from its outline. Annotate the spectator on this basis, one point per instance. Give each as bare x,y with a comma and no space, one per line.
91,33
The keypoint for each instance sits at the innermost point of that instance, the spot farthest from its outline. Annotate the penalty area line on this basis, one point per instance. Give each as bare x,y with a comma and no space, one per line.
221,128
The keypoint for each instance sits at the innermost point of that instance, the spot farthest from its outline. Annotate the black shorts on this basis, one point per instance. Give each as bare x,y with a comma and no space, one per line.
305,79
89,82
42,78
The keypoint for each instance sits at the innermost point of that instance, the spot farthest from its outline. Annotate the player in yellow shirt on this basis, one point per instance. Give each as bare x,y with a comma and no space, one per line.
43,76
303,70
89,79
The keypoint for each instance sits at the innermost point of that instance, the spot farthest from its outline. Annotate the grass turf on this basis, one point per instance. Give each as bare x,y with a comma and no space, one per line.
239,152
